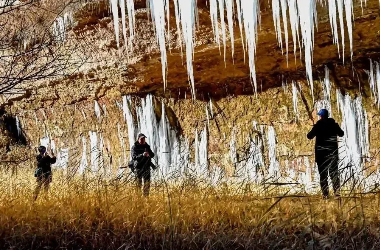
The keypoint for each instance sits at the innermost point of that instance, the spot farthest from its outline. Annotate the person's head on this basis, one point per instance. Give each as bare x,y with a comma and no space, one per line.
42,150
323,113
141,138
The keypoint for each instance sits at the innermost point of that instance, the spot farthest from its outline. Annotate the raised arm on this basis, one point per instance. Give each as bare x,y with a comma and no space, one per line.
312,133
53,159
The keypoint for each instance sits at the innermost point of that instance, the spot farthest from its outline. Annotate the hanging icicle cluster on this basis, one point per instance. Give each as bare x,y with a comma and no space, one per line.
302,17
126,7
374,81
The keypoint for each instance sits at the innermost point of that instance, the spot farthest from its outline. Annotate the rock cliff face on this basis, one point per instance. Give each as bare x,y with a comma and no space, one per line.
64,109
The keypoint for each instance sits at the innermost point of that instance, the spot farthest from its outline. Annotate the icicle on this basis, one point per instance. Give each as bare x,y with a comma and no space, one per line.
250,10
211,108
52,146
378,83
203,152
341,20
349,16
356,140
177,19
94,151
18,126
307,15
230,9
101,156
83,164
274,167
45,141
157,8
295,100
207,117
223,25
128,117
123,21
285,23
333,22
115,13
97,110
277,20
238,7
105,110
294,24
187,11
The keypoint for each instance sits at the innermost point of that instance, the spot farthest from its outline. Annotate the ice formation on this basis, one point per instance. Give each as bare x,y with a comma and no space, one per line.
45,141
83,163
18,126
201,154
52,146
97,110
158,8
94,151
125,5
250,10
295,100
171,151
274,166
187,10
62,158
374,81
325,103
128,117
354,147
60,25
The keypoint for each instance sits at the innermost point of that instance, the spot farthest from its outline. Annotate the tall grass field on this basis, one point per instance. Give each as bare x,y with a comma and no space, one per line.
94,213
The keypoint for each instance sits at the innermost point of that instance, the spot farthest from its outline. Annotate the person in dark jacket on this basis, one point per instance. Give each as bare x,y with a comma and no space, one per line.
141,163
43,171
326,131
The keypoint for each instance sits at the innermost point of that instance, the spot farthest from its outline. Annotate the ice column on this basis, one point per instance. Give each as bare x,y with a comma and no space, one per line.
250,10
94,151
274,167
157,8
131,18
355,143
19,132
63,158
83,164
326,86
97,110
187,10
295,100
128,117
44,141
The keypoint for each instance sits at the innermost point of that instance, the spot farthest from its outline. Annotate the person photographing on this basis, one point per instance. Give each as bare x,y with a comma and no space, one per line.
326,131
141,163
43,170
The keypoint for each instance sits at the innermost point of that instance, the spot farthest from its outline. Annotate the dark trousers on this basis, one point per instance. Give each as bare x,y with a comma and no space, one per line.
143,175
43,180
328,165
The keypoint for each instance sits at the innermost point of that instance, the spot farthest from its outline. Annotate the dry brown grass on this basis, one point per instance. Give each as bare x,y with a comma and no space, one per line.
96,214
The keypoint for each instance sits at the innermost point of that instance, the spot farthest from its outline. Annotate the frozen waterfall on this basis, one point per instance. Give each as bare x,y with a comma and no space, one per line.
354,147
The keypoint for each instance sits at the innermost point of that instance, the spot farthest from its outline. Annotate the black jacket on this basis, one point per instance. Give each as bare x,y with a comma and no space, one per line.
44,163
326,132
138,160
